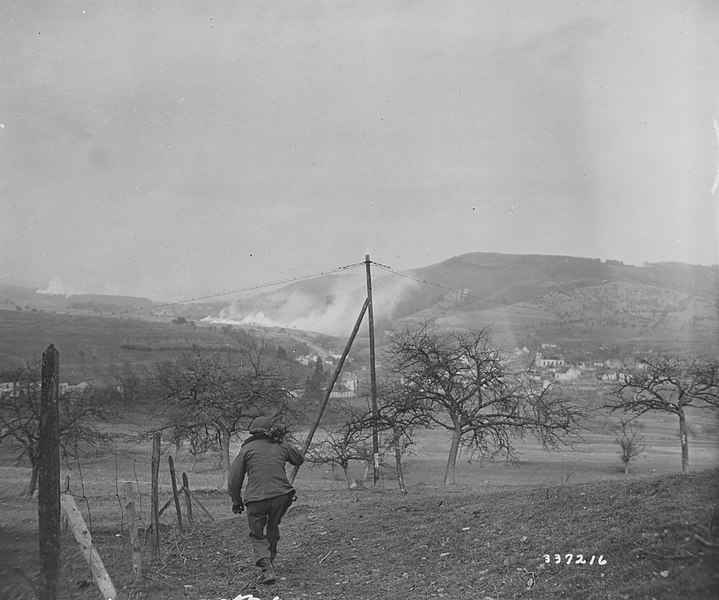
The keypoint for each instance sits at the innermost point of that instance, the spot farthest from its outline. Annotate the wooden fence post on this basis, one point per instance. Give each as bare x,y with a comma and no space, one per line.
174,493
166,505
133,528
155,501
82,535
188,499
196,500
49,475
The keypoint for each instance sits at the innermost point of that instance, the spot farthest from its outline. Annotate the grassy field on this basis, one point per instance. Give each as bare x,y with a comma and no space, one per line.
101,350
88,345
484,538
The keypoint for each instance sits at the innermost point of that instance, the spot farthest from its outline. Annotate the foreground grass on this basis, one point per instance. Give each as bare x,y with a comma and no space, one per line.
438,542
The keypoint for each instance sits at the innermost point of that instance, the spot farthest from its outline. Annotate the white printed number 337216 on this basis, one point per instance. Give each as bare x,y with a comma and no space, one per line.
574,559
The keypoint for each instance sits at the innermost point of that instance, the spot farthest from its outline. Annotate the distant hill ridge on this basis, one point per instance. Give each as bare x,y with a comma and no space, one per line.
527,298
499,279
496,272
504,279
25,297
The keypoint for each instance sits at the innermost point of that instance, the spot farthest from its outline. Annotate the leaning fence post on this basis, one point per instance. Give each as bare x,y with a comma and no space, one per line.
196,500
83,537
188,500
134,532
174,493
156,492
49,475
166,505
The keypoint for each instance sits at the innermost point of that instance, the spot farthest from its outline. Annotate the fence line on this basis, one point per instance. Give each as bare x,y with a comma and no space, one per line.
92,499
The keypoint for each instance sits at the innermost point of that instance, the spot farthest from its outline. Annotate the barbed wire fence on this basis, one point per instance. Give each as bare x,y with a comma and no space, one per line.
117,514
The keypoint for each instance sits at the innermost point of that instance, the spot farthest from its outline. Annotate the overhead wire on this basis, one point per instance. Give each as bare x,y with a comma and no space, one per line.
463,292
239,290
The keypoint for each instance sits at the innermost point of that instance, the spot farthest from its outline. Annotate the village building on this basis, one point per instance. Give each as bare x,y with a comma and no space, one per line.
14,389
548,360
349,380
307,359
567,373
340,391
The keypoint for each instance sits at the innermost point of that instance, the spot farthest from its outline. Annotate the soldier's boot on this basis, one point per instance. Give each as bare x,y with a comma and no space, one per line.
267,575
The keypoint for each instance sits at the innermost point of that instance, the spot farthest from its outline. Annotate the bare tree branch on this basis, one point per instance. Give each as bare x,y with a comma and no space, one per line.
468,388
209,398
668,384
79,413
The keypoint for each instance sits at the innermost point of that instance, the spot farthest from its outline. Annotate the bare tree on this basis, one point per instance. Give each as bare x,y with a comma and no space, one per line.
630,441
79,413
342,444
468,389
669,384
399,413
128,386
209,397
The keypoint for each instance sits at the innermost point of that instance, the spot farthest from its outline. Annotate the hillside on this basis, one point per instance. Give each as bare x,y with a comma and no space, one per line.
104,350
17,297
526,299
579,302
585,305
498,279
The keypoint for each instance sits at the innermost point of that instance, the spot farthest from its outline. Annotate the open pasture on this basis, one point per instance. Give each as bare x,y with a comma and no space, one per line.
89,345
377,543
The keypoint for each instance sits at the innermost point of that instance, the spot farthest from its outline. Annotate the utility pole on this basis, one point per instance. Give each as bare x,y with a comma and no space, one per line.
323,405
373,374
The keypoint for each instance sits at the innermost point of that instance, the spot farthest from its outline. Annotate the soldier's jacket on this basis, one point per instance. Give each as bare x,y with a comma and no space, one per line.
263,462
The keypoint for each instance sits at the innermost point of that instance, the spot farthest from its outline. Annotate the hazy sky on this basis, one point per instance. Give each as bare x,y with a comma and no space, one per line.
176,148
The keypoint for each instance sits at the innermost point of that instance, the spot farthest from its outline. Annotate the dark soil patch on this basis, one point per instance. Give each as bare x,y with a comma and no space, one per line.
437,542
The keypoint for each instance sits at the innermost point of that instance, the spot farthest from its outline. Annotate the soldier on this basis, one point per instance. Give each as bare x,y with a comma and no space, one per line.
268,494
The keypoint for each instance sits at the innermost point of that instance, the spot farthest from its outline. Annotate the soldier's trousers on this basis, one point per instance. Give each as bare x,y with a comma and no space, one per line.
263,518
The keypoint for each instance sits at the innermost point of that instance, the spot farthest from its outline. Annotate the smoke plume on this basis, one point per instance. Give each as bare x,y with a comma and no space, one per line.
333,309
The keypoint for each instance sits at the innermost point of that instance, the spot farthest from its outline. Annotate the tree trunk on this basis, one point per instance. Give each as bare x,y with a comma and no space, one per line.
449,473
367,467
225,449
178,445
398,462
684,439
626,467
346,469
33,479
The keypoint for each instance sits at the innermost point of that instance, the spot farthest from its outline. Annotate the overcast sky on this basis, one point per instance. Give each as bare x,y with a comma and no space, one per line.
172,148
